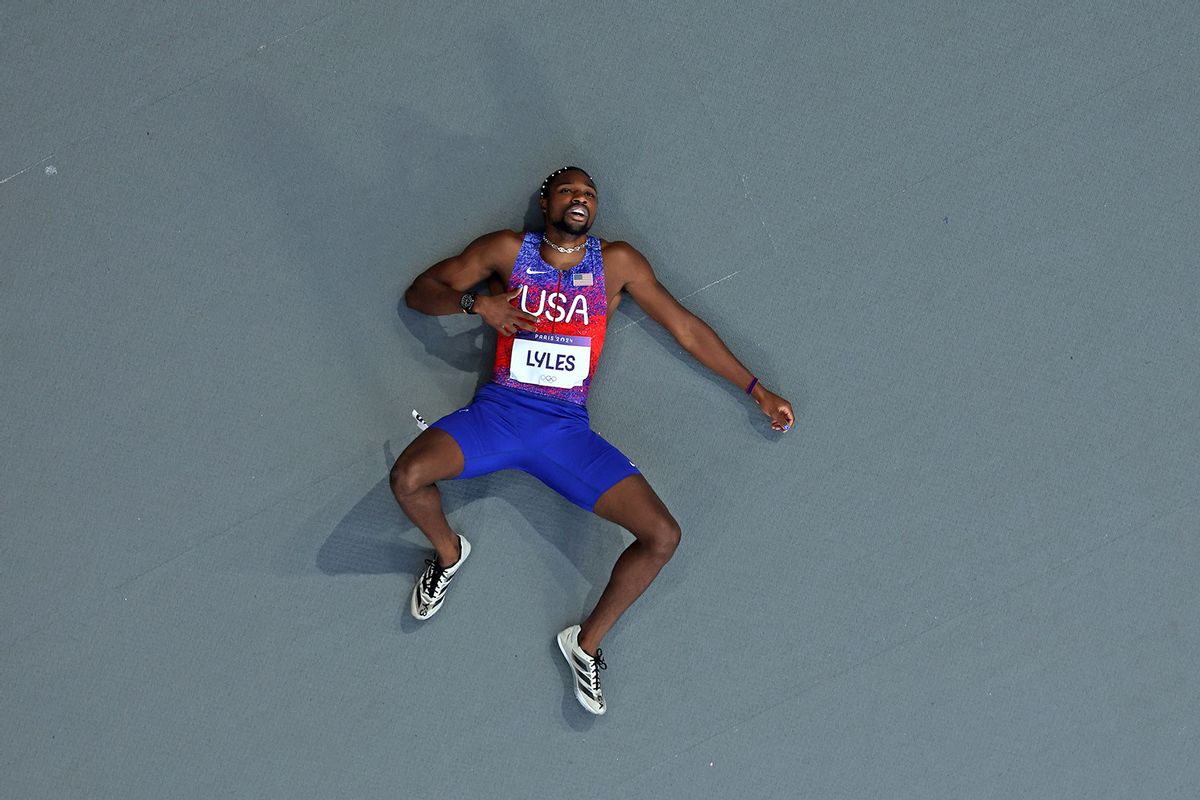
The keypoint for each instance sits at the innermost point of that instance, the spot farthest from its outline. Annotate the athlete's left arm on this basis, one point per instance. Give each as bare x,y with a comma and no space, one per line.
636,277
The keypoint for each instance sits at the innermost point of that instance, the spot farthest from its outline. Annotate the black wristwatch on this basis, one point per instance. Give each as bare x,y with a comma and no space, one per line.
467,302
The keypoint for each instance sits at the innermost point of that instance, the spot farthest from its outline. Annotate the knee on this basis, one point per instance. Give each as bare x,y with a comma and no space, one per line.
663,537
404,478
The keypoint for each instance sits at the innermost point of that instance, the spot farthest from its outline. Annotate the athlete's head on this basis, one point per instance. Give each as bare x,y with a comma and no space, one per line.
568,201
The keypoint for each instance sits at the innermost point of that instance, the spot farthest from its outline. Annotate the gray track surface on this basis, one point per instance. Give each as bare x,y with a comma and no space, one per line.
961,237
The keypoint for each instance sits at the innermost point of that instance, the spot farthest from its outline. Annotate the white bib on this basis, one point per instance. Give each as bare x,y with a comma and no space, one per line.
551,359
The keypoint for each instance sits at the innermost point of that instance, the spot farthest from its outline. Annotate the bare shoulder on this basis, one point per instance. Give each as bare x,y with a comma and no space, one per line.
489,255
502,245
624,264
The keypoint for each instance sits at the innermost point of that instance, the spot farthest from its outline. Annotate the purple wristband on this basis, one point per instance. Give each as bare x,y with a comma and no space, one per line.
753,383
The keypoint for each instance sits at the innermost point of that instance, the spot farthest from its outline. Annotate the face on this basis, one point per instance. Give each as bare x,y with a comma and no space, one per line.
570,203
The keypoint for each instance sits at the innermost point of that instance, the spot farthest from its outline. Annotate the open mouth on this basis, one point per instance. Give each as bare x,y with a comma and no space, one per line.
577,213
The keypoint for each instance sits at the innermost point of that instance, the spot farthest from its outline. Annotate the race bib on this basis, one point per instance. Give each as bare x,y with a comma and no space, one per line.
550,359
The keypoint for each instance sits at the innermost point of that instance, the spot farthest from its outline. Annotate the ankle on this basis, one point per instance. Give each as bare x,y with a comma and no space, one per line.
587,645
447,563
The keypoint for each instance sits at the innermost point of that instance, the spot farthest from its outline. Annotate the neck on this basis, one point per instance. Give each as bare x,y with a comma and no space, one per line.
564,239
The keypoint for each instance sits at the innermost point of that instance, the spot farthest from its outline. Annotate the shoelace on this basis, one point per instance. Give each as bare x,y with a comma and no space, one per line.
597,665
435,572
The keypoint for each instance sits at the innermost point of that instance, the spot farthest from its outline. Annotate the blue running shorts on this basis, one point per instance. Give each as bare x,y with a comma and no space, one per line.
552,440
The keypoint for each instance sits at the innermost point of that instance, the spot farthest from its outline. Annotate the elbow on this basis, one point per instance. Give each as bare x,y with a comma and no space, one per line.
693,335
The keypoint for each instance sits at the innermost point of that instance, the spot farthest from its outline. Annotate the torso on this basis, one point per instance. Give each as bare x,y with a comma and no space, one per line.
570,299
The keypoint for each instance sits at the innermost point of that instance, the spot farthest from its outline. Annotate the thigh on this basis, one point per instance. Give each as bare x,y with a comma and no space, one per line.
487,432
433,456
579,464
636,507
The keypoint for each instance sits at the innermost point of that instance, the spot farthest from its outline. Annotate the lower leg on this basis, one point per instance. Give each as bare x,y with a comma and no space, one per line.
637,566
633,505
432,456
424,509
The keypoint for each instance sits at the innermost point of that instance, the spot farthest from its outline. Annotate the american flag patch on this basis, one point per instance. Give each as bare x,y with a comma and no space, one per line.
581,279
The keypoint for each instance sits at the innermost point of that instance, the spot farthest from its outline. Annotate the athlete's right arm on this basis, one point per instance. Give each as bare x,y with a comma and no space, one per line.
437,290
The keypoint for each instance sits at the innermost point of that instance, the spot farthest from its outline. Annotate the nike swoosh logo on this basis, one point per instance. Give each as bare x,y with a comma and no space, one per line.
538,271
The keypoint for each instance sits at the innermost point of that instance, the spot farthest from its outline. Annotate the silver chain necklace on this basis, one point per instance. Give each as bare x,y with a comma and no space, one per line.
565,250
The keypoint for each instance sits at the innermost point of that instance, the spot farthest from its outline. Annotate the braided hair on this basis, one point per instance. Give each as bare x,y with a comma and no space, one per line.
550,178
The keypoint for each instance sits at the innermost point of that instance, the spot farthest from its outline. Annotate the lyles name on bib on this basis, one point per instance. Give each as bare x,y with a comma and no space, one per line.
550,359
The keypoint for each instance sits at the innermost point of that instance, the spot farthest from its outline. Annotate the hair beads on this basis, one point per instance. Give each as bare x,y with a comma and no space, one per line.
549,178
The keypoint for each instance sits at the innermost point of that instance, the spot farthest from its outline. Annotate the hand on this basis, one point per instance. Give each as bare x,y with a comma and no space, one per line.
775,407
498,311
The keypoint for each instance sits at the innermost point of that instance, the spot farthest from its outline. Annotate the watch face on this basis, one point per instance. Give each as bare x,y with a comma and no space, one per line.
467,301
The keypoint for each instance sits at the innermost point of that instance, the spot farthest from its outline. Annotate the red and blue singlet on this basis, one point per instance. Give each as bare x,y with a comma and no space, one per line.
559,359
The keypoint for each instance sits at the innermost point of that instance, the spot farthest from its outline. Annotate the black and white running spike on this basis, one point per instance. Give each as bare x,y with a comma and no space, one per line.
585,670
430,591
